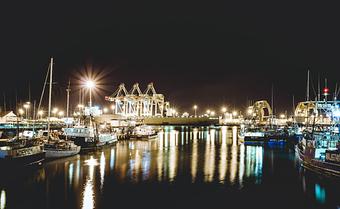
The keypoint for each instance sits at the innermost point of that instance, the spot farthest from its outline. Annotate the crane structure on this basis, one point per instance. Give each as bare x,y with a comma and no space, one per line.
138,104
260,111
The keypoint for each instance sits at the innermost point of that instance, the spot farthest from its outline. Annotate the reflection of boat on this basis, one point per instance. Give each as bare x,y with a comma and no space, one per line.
143,132
20,153
320,152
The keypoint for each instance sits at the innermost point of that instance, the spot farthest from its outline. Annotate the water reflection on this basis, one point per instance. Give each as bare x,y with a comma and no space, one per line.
2,199
88,194
203,156
320,193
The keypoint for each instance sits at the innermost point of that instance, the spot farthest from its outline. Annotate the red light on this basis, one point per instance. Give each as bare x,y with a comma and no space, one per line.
325,90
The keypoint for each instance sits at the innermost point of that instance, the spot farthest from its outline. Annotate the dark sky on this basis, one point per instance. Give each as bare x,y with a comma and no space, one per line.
209,53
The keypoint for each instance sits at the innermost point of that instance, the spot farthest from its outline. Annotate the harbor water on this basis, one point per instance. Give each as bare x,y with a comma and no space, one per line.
185,167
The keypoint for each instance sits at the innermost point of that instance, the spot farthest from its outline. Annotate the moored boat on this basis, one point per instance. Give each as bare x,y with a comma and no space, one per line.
320,153
143,133
20,153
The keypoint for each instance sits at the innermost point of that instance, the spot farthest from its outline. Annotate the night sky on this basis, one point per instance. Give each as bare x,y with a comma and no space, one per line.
209,53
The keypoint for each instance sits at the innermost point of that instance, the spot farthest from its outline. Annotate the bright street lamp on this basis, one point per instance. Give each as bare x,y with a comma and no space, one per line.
105,110
90,85
61,114
195,109
40,113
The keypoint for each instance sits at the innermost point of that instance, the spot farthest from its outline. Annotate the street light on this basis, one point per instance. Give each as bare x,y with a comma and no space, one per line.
21,112
223,109
61,113
212,113
105,110
54,111
195,109
40,113
234,113
26,106
90,85
208,111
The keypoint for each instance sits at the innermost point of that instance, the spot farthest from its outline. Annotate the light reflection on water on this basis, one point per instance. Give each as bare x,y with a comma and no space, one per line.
2,199
205,155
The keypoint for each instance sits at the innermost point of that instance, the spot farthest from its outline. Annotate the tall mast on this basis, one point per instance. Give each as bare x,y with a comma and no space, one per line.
272,100
307,95
319,94
50,97
68,98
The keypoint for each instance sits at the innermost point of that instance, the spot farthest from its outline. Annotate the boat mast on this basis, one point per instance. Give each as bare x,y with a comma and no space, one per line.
307,95
49,98
68,98
319,94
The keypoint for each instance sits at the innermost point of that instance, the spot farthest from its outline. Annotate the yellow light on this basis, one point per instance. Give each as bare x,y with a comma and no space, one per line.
224,109
105,110
212,113
90,84
80,106
112,107
26,106
195,107
61,113
234,113
21,111
55,110
282,116
40,112
250,111
208,111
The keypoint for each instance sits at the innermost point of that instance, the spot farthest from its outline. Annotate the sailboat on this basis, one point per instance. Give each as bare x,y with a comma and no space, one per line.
53,146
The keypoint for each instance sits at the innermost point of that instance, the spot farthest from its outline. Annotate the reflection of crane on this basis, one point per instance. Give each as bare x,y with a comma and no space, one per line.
135,103
260,111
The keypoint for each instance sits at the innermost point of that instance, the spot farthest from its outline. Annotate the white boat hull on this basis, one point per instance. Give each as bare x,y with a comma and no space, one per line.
61,153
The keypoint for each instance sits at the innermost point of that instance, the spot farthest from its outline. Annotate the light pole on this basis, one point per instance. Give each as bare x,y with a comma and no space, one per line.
223,110
90,85
195,109
40,113
26,106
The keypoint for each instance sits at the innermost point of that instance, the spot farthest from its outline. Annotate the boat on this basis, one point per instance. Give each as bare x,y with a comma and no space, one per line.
320,153
143,132
61,148
53,146
90,138
263,134
16,153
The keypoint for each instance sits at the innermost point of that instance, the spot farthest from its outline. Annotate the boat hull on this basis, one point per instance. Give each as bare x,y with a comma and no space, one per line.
139,137
88,146
317,166
61,153
27,160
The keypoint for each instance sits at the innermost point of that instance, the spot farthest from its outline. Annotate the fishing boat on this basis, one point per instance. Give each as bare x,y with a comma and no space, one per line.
263,134
90,137
144,132
320,152
61,148
15,152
